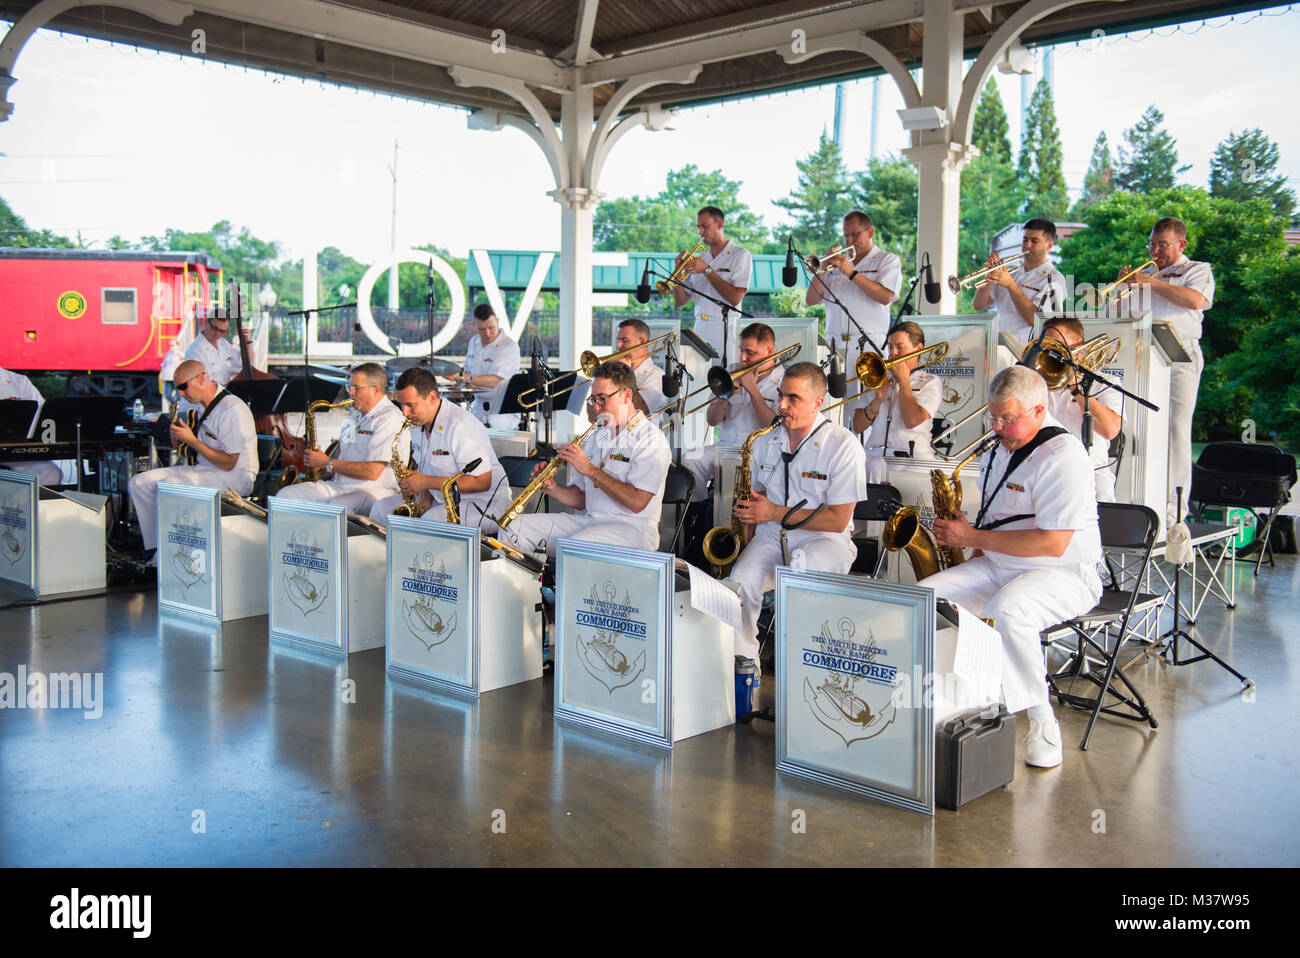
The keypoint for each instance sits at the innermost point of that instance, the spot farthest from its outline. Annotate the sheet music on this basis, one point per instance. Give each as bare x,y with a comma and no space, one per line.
711,597
979,653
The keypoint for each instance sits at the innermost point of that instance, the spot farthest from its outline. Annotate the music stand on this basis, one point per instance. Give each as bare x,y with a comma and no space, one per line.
86,418
295,397
698,344
260,395
17,416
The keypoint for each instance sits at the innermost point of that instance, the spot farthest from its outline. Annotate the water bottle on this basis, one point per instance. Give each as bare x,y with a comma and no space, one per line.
137,410
747,681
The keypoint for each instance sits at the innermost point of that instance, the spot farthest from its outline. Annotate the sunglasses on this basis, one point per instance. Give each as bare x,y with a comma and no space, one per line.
181,387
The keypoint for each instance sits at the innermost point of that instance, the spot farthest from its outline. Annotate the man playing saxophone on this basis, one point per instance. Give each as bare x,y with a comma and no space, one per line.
808,458
361,468
620,476
444,438
1037,542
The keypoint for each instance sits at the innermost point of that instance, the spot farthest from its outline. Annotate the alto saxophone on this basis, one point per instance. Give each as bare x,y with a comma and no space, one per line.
411,505
723,544
449,493
289,474
534,487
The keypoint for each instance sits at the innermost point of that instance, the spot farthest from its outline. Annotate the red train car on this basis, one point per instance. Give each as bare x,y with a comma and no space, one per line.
105,317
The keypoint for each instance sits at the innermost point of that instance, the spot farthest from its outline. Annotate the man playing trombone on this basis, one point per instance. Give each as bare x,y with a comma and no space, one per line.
1066,407
632,334
723,272
1036,286
620,475
1181,290
900,414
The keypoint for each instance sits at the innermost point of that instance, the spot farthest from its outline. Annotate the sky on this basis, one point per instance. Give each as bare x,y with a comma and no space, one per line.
106,139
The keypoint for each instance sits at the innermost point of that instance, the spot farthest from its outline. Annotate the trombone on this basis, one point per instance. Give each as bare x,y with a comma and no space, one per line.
664,286
980,276
721,383
823,264
588,362
1100,299
1101,350
872,371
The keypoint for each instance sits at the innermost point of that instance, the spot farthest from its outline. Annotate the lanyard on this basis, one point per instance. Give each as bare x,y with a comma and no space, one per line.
788,457
1017,457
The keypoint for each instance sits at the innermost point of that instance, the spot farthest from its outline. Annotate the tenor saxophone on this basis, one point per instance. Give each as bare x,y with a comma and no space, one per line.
723,544
539,480
411,505
289,474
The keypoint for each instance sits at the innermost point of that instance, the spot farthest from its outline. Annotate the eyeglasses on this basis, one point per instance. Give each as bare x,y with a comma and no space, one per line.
354,388
993,422
1161,247
599,399
181,387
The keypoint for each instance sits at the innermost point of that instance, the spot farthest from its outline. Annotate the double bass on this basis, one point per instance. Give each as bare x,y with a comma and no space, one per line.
267,424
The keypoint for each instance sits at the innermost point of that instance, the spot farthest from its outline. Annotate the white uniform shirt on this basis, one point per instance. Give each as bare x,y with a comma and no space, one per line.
455,440
18,386
1062,407
498,358
829,467
1193,275
650,384
369,438
1033,283
1055,485
888,426
734,265
221,361
230,428
739,420
638,455
880,267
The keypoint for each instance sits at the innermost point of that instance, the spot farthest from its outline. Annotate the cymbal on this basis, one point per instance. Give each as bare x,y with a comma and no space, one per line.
436,365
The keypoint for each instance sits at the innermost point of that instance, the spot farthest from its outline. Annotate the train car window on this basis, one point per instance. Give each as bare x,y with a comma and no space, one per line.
118,306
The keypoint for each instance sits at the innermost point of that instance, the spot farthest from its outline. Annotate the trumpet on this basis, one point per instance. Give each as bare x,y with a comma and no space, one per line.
664,286
872,371
980,276
1100,299
824,264
588,362
1099,351
721,383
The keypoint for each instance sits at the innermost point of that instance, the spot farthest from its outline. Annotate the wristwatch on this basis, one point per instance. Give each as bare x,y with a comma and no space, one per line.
854,275
708,270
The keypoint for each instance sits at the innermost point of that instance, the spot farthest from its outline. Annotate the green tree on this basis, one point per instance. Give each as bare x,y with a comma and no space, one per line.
992,196
820,199
1243,168
1099,181
244,258
990,132
1149,161
887,189
1040,158
14,231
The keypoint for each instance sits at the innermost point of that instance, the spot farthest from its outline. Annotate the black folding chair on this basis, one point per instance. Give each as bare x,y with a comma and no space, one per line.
268,454
519,469
1131,528
882,501
679,490
1249,474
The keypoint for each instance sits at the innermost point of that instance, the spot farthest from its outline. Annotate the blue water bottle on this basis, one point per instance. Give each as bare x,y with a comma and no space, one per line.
747,682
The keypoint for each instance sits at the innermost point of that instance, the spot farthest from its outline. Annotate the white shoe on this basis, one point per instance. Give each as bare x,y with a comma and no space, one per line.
1043,743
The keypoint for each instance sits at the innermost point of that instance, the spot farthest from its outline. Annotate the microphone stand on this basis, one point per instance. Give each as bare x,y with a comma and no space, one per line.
726,308
1088,376
905,307
306,363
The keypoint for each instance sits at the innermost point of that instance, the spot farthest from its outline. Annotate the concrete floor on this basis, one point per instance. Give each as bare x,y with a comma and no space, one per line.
256,744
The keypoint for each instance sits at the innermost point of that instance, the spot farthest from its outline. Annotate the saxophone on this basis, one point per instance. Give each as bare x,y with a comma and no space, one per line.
448,491
411,505
534,487
289,474
722,544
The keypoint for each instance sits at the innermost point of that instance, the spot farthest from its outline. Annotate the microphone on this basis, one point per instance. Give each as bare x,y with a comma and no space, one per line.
836,383
932,291
671,385
470,467
1030,358
643,288
790,273
535,377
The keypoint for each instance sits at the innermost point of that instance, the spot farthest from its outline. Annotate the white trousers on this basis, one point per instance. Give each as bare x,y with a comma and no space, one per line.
755,573
536,530
46,473
143,489
469,516
1021,604
355,500
1184,383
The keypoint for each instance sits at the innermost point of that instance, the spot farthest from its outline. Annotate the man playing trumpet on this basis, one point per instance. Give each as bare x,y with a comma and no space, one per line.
444,439
723,272
620,475
1036,286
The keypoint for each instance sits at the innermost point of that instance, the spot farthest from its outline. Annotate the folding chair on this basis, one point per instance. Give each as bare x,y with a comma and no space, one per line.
519,469
882,501
1132,528
679,490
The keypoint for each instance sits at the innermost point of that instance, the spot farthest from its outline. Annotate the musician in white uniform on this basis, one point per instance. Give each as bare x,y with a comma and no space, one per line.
620,471
1038,543
1035,286
491,358
219,356
649,377
752,404
226,447
723,272
807,457
866,286
1066,407
1179,293
899,417
362,469
444,440
18,386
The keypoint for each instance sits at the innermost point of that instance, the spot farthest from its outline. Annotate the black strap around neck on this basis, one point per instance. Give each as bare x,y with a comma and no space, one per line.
1017,457
788,457
221,394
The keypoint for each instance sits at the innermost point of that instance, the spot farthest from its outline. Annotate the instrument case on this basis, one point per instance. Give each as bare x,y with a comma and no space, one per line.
1255,475
975,752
